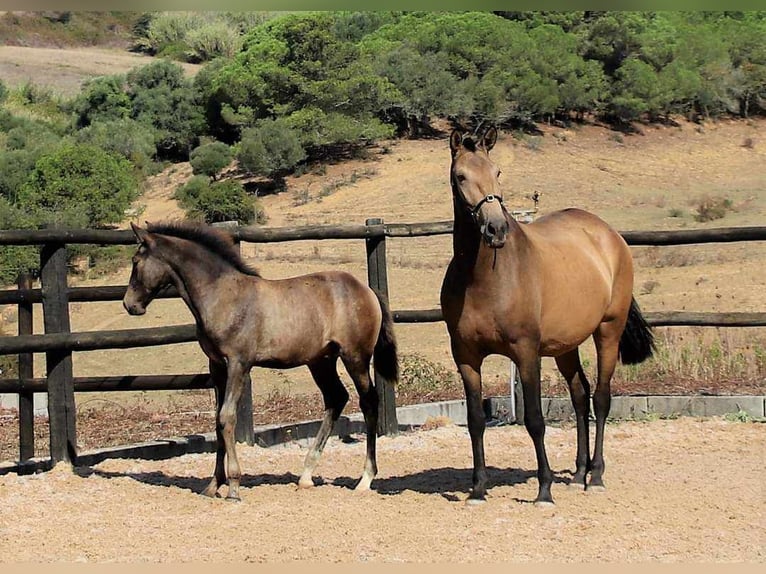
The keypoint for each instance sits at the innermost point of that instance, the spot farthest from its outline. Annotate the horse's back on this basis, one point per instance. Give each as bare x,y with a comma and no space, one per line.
323,307
579,236
584,271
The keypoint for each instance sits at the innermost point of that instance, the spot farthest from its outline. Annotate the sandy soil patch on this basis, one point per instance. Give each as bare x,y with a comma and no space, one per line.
680,490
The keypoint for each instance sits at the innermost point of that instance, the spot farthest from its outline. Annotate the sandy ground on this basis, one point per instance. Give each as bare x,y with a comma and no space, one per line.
678,491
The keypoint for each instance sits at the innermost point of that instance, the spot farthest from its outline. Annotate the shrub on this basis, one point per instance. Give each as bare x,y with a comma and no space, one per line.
3,91
80,179
209,159
709,208
270,148
216,201
15,259
213,40
163,98
102,99
123,137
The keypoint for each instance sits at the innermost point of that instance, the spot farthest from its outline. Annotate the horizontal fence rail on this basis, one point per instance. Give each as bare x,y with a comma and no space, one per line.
58,342
321,232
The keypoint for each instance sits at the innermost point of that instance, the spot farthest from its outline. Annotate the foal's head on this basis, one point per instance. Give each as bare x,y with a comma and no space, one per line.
475,184
149,275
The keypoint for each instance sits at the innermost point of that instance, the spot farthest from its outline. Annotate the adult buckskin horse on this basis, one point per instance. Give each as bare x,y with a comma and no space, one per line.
531,290
244,320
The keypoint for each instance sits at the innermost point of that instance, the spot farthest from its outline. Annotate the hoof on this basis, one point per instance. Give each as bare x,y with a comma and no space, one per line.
596,488
305,483
211,492
475,501
576,486
544,504
233,499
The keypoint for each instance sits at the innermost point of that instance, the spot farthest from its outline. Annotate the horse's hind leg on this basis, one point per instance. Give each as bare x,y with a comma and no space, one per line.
335,398
607,340
579,390
359,370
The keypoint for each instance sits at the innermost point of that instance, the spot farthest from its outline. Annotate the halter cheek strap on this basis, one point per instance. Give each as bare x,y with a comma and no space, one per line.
486,199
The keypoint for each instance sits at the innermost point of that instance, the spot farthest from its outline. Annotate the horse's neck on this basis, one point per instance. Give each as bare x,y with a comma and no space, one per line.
470,254
197,274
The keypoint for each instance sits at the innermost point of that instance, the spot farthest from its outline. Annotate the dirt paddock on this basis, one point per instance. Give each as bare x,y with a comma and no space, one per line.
678,490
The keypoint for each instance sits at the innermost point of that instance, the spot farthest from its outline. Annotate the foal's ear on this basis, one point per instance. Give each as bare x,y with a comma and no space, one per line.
490,138
455,140
143,237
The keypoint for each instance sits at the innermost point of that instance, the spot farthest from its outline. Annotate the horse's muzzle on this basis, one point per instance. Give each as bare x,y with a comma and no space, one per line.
495,234
134,308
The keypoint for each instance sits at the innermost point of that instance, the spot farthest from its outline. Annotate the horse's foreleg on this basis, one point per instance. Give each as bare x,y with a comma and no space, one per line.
335,398
236,372
471,375
359,370
607,348
529,372
218,374
579,391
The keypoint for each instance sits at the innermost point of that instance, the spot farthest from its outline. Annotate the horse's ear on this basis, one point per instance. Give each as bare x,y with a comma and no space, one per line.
490,138
455,140
142,235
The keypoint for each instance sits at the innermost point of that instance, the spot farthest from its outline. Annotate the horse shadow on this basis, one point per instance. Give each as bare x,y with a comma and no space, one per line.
446,482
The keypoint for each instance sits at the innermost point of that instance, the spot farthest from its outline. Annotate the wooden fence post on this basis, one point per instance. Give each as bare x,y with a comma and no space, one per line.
244,431
26,371
377,278
61,407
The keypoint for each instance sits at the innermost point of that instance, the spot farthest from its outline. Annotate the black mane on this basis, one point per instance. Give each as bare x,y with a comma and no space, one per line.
208,237
469,143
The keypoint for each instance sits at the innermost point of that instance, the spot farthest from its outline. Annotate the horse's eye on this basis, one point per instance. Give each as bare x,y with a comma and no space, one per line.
461,177
498,173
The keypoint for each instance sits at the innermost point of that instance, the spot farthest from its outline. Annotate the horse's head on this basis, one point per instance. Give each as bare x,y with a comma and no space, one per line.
475,184
149,275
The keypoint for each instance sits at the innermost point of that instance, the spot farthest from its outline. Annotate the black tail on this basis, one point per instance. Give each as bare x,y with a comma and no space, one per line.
385,355
637,341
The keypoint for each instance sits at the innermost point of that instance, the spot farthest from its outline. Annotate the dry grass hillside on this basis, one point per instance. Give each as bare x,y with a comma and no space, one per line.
656,180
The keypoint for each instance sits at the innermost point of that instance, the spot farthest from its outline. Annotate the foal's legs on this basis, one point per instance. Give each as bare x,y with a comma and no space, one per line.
579,390
218,374
607,340
335,398
529,372
359,370
227,419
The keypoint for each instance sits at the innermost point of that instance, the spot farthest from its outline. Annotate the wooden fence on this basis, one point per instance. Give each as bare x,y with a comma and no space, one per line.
58,343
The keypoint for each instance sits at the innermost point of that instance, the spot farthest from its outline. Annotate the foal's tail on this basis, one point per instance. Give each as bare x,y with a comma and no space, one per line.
637,341
385,355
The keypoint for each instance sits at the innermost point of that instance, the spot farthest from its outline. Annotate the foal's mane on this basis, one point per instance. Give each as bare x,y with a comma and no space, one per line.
208,237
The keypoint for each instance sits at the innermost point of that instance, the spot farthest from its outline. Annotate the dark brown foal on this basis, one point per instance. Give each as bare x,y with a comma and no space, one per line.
244,320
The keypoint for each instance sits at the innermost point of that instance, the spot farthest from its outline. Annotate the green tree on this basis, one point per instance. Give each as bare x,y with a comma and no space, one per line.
82,179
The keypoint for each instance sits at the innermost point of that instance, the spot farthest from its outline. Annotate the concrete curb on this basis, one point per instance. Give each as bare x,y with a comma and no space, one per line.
496,409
